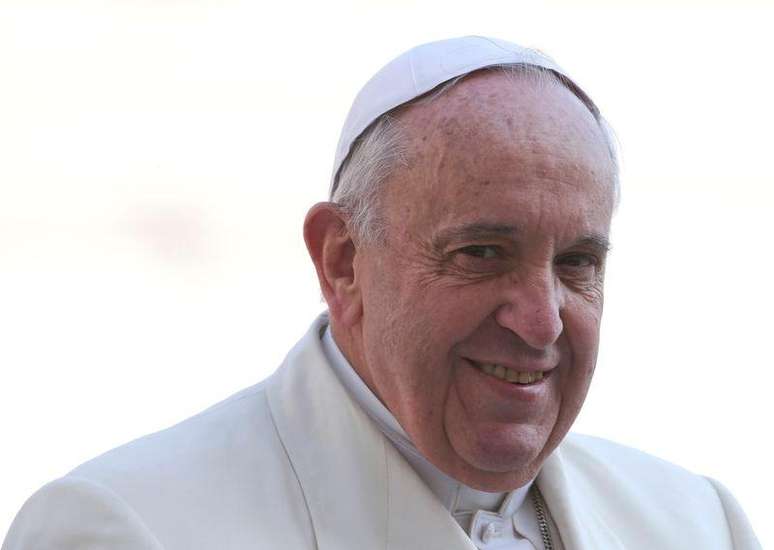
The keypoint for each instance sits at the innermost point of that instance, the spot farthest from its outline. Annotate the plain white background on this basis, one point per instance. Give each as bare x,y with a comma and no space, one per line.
157,159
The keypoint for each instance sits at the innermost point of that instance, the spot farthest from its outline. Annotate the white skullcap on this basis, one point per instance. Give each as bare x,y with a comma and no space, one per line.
424,67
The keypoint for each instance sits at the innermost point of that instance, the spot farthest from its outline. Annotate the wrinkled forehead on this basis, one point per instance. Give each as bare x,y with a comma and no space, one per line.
491,114
492,143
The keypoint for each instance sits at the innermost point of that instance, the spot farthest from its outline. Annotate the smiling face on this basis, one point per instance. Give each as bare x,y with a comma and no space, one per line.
492,267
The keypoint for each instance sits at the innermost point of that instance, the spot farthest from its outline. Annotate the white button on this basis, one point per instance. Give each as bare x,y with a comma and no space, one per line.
492,530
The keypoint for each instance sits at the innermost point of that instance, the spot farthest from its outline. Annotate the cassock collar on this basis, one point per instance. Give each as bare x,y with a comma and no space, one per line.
460,500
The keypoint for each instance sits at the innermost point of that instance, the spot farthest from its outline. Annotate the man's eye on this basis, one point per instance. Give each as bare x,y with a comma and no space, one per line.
579,261
486,252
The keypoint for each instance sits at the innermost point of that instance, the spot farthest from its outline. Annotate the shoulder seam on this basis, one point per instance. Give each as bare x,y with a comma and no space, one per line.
95,485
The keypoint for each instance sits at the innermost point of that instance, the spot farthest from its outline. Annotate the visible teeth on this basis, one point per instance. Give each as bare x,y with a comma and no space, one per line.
513,376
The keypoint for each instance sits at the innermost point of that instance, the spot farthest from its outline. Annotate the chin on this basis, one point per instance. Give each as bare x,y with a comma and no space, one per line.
501,463
495,481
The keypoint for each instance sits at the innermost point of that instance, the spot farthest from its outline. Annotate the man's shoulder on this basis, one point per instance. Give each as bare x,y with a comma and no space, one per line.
219,475
643,501
594,457
625,484
204,436
222,478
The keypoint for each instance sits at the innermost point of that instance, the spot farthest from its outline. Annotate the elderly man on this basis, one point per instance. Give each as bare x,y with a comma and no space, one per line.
462,258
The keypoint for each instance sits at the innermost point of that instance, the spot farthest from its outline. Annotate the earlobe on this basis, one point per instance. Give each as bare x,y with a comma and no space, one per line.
333,253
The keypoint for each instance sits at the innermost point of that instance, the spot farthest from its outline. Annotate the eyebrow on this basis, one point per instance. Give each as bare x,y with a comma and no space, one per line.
475,231
594,240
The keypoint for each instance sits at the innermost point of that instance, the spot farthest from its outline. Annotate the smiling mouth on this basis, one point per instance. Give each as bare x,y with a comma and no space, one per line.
506,374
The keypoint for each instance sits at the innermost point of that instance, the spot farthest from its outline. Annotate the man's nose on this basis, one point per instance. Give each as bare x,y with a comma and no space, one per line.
532,311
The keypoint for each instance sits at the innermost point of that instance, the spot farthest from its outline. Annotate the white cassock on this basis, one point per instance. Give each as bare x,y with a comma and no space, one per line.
296,463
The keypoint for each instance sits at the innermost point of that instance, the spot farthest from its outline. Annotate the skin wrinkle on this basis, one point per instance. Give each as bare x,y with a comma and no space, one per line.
473,232
519,164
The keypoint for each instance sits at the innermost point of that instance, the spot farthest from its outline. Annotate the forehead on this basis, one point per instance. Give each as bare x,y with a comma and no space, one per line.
495,144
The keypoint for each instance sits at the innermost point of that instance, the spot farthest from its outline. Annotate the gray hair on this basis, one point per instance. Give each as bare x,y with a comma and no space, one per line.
381,148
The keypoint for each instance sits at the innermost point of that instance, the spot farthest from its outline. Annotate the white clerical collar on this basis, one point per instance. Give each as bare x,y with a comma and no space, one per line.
462,501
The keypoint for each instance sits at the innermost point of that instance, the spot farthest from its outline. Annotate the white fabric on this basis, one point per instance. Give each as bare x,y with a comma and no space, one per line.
295,463
422,68
513,527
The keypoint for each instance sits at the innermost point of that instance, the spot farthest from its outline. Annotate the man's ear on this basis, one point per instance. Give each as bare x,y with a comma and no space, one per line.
333,252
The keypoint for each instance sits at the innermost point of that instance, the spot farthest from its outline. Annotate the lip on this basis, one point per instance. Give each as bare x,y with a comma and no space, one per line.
509,390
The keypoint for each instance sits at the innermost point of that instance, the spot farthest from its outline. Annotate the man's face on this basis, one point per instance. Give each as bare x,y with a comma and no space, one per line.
493,263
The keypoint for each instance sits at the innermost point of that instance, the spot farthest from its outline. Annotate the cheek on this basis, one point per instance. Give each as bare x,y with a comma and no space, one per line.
411,329
581,330
406,350
582,316
418,339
